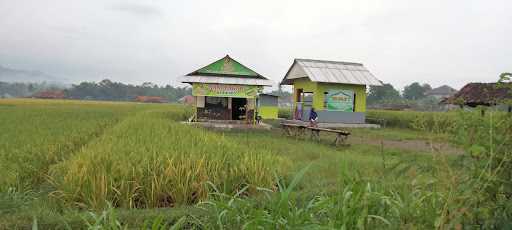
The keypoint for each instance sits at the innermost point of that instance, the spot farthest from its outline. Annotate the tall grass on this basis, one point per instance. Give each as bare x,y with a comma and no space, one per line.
432,121
149,160
357,204
36,134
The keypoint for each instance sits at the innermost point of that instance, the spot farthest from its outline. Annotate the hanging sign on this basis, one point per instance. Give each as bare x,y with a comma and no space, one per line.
225,90
340,100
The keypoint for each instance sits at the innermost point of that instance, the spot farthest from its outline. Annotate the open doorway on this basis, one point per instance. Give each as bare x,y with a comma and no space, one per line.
238,106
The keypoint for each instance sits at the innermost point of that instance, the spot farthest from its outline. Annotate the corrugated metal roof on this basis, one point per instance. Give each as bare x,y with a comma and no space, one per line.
225,80
332,72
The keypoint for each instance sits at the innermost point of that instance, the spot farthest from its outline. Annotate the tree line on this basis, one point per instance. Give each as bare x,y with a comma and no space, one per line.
103,90
414,91
413,96
117,91
19,89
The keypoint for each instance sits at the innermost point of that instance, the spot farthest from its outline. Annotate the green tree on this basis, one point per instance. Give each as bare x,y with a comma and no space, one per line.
117,91
384,92
505,82
415,91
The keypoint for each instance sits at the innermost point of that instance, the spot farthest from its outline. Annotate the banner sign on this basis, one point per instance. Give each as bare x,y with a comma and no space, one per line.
225,90
340,100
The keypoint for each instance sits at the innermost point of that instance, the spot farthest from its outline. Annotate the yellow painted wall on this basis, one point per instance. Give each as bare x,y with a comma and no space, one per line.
268,112
319,88
307,86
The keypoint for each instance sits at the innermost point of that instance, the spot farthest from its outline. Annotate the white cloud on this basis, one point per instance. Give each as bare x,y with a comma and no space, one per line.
439,42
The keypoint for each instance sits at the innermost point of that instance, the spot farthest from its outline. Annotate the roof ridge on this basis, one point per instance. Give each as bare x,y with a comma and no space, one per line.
221,69
327,61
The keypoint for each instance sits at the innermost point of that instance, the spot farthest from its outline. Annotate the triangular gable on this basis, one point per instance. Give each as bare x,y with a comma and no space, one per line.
294,72
227,66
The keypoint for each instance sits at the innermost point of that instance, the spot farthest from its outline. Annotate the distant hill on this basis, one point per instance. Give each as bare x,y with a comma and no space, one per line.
16,75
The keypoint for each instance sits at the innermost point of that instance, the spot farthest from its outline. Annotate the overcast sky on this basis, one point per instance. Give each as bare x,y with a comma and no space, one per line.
399,41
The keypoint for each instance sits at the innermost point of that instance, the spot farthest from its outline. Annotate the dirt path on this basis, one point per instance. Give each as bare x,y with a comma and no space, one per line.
412,145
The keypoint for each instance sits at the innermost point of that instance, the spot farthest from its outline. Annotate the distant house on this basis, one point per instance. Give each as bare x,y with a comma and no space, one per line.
58,94
485,94
441,92
187,100
150,99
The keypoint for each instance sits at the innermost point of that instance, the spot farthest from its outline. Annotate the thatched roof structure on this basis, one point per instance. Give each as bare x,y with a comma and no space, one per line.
474,94
441,91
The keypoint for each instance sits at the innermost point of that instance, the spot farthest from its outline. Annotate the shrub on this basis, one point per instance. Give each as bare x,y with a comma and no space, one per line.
487,185
285,112
430,121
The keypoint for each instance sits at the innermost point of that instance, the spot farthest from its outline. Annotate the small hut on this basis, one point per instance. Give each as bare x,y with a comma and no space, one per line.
484,94
336,90
225,90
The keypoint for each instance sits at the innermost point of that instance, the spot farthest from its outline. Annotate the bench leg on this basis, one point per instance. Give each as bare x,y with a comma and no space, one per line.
340,139
302,131
287,131
315,135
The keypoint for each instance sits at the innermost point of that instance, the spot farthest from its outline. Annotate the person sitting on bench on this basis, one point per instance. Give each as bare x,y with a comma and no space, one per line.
313,118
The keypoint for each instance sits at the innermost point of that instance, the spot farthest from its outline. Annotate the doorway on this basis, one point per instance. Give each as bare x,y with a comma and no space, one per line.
307,104
238,108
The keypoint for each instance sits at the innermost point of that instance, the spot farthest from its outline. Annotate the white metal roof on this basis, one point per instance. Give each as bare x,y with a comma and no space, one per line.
330,72
225,80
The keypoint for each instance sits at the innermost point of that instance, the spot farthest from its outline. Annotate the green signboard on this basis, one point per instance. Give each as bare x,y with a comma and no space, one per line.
340,100
225,90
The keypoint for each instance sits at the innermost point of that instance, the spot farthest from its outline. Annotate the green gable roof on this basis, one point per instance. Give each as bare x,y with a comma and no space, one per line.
226,66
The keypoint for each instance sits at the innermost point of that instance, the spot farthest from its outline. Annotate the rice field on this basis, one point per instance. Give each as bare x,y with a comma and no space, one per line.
106,165
90,154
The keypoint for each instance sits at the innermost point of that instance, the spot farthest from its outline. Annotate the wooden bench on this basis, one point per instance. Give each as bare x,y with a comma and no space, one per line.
341,135
299,131
293,129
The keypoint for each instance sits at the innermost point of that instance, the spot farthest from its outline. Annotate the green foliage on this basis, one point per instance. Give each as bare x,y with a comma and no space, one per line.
37,134
127,154
488,142
117,91
285,113
381,93
141,157
142,163
107,220
357,204
415,91
12,201
432,121
505,82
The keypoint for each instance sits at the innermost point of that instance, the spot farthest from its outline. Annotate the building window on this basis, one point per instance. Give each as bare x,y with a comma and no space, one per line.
216,102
